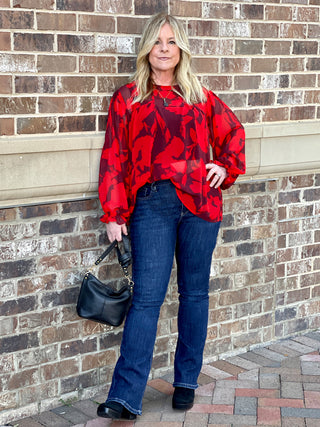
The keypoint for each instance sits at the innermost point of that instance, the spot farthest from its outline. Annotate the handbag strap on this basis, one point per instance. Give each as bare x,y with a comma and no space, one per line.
124,258
106,252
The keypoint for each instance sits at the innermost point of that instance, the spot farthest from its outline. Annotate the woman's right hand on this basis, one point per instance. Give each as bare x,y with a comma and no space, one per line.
114,231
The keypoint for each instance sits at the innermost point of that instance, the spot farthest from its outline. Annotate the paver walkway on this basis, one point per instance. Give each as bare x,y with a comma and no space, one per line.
276,385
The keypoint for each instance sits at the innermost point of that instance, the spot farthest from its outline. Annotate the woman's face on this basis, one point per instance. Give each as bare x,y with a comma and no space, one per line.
165,54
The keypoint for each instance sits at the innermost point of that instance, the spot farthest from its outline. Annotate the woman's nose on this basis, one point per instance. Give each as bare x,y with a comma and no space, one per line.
164,47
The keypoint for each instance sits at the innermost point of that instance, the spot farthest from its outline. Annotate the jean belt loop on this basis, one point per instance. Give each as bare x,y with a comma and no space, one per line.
154,186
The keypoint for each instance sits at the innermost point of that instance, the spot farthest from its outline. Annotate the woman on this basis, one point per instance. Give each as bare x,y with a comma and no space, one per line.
156,173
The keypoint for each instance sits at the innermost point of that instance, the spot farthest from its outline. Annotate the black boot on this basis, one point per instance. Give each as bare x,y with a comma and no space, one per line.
183,398
115,411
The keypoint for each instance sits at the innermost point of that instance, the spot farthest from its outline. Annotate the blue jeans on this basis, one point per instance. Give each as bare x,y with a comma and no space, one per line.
161,228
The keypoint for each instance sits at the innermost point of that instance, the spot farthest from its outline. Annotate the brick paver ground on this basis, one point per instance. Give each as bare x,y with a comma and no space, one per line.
276,385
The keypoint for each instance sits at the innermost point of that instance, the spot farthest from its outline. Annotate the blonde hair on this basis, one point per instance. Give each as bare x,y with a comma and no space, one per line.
189,86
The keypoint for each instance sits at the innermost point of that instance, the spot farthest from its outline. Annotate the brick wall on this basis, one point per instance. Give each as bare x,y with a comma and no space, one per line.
62,59
265,284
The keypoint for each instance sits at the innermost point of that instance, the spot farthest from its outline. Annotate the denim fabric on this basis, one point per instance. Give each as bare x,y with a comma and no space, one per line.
161,228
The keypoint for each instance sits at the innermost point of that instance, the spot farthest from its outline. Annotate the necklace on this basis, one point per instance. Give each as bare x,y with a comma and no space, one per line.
165,102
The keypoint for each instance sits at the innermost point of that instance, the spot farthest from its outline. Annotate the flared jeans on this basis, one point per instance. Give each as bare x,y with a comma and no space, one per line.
162,227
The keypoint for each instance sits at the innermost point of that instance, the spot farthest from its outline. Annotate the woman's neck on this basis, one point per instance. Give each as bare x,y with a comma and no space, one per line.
163,78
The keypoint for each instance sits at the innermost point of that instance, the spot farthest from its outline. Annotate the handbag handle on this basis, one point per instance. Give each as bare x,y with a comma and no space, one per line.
124,259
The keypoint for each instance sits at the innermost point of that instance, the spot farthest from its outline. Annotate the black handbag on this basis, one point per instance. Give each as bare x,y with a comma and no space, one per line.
98,301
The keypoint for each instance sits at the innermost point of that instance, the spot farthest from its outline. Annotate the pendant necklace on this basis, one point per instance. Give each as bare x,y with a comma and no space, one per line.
165,102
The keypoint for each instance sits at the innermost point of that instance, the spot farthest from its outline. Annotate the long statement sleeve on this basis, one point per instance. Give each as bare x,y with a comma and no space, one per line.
114,164
227,139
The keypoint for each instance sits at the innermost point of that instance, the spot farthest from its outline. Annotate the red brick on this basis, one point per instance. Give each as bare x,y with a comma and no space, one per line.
34,4
235,65
278,47
246,82
297,181
313,64
249,47
56,21
303,113
312,97
33,125
23,379
110,84
308,14
202,65
212,409
149,7
293,31
17,105
6,126
251,11
303,47
92,103
76,84
114,6
217,47
97,64
78,5
278,13
61,333
61,369
34,84
5,84
292,64
215,10
281,403
75,44
56,63
13,19
269,416
261,98
203,28
54,104
102,359
249,116
32,42
126,65
312,399
36,284
310,279
77,124
127,25
97,23
275,114
264,30
8,214
216,83
266,65
313,31
5,42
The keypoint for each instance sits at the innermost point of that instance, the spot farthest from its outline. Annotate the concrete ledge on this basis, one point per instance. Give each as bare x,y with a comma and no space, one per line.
44,169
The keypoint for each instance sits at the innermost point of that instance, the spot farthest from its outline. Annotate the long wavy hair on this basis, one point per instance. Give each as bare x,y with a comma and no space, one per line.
189,86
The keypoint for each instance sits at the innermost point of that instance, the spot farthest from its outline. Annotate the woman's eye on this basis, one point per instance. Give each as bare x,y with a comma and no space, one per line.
157,42
172,42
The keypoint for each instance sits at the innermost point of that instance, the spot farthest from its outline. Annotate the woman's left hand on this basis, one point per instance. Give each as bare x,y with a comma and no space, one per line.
217,174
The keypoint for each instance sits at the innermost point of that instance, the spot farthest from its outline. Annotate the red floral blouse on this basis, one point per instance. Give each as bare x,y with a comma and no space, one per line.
166,138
